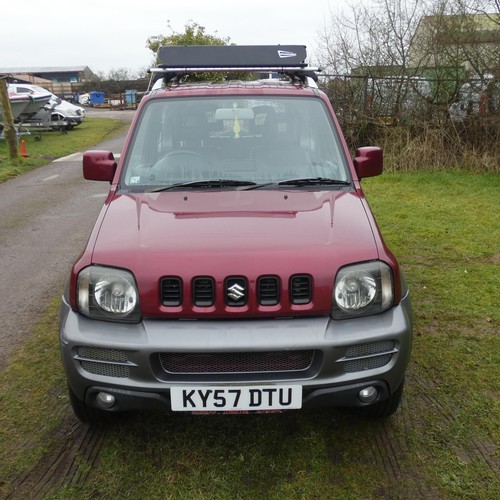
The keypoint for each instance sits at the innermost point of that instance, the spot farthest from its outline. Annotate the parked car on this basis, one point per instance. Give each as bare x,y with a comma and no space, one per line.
84,99
67,112
236,265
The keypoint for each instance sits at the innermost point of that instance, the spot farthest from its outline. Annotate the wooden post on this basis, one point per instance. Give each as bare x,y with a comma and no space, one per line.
8,121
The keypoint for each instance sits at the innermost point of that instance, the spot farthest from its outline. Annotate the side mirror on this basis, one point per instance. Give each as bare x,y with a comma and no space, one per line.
99,166
369,161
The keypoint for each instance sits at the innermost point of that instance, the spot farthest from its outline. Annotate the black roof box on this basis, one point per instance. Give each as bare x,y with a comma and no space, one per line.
234,56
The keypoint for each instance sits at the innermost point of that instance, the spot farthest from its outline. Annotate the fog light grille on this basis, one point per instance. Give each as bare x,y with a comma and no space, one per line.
368,356
360,365
103,361
356,351
102,354
106,369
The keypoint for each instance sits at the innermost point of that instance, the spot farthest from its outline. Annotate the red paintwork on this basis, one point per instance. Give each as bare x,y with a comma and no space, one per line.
235,233
368,161
99,166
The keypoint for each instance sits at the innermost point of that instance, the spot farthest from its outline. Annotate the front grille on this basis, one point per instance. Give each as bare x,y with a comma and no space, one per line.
268,290
171,291
203,292
236,362
235,291
300,289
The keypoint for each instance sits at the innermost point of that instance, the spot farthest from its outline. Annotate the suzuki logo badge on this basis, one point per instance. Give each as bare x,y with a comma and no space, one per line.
236,292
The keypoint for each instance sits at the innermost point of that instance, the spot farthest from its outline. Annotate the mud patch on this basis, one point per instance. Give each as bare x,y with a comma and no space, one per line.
75,452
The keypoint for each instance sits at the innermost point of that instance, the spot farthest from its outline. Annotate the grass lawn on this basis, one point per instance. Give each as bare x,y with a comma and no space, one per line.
56,144
443,443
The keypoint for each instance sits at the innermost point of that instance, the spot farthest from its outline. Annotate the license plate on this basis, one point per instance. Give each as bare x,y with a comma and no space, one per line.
236,398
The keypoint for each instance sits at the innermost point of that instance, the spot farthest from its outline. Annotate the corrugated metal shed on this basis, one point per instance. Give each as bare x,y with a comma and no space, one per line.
74,74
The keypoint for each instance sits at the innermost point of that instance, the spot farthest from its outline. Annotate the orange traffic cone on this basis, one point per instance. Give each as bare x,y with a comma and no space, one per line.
23,151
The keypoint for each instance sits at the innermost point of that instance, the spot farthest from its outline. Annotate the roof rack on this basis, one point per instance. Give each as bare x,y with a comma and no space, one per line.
178,61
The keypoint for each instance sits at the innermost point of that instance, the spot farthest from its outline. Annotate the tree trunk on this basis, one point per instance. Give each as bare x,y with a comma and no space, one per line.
8,122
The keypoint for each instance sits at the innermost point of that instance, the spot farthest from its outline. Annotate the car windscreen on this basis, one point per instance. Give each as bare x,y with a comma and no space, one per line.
257,139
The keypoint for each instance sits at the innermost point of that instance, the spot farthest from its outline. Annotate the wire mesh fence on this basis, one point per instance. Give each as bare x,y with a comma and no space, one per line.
436,123
411,99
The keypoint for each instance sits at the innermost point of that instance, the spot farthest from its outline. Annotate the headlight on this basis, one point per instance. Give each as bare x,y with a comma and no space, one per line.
362,289
108,294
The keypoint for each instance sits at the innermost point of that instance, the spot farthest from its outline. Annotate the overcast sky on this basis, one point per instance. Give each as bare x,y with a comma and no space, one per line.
112,34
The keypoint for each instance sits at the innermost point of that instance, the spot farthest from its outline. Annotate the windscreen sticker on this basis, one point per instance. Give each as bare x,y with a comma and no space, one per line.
135,180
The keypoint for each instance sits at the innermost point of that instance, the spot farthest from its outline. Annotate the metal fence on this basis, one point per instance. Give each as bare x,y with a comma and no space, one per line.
399,99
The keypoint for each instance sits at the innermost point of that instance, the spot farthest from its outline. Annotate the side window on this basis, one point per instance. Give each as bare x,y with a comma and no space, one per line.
145,147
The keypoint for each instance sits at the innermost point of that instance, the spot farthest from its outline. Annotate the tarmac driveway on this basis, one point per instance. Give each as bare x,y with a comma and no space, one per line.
46,218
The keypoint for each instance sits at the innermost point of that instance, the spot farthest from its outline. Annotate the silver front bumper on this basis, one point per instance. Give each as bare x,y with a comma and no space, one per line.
125,358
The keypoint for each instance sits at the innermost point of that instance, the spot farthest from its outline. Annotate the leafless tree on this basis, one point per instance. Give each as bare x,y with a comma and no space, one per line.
371,43
397,53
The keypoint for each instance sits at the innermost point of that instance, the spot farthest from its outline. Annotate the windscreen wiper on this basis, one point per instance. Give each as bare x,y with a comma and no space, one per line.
208,183
314,181
303,181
